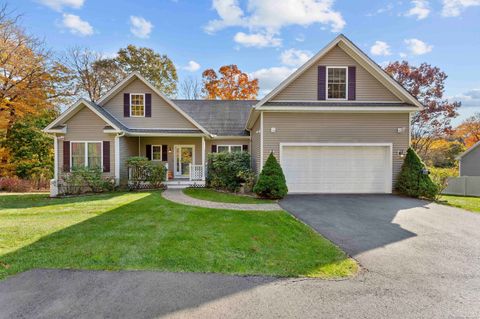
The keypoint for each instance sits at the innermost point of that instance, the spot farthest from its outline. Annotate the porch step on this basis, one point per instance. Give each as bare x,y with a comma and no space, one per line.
180,184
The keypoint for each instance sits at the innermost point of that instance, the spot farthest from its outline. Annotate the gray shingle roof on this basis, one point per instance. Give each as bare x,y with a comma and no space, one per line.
219,117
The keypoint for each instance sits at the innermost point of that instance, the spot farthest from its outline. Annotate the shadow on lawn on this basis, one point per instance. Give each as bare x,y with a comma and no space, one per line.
132,236
40,200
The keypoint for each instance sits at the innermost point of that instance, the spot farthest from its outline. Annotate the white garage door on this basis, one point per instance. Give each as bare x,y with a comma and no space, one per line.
337,169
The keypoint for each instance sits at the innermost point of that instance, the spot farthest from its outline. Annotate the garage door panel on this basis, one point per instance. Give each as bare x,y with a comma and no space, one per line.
337,169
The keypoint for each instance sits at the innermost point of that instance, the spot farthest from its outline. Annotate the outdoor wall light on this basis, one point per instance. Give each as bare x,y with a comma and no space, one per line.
273,129
401,130
401,153
169,149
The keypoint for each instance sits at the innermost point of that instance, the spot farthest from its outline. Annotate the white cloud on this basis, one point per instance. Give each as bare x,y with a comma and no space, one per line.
59,4
420,9
270,16
192,66
453,8
294,57
257,40
388,8
418,47
470,98
269,78
140,27
76,25
380,48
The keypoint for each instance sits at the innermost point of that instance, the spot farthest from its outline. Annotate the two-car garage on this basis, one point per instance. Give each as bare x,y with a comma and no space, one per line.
337,168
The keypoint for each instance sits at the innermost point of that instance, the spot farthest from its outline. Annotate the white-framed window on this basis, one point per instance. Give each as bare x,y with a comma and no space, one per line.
156,152
137,105
229,148
337,79
86,154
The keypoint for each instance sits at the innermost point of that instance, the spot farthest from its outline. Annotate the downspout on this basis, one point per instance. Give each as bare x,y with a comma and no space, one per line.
117,157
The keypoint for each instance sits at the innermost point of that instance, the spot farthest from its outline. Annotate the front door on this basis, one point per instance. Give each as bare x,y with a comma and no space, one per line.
184,156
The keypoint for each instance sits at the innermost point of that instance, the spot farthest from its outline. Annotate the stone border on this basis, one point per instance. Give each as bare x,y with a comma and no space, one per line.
177,196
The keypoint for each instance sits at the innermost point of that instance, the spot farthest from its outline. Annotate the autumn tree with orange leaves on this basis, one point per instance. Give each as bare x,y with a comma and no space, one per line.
230,84
31,81
427,84
469,130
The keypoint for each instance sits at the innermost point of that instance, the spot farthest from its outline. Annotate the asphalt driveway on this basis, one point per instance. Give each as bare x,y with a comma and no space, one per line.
420,260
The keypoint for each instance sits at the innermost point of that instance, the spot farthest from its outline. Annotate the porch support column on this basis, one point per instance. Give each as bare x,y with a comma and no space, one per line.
117,160
203,158
55,157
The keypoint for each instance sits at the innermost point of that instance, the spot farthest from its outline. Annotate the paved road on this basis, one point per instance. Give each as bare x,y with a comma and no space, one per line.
421,260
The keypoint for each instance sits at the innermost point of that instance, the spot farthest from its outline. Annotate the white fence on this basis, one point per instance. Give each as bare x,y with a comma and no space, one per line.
463,186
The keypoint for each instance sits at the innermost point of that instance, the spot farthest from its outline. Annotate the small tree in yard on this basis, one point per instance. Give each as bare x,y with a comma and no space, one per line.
271,182
412,181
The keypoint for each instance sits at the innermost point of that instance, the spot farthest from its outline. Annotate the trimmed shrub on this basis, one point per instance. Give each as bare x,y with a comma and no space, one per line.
227,171
412,182
440,178
85,179
145,173
271,182
14,184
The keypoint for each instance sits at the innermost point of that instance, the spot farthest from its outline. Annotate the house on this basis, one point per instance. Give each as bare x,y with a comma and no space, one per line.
338,124
469,161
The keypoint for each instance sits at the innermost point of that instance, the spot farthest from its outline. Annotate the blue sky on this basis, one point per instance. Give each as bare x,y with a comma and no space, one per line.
270,38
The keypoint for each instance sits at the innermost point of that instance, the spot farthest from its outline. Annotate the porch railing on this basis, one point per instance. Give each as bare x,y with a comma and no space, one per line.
197,172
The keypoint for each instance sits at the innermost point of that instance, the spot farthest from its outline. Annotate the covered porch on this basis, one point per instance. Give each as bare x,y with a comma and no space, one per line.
184,157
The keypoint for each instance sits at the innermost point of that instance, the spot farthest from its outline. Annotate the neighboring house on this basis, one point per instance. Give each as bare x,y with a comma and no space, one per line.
470,161
339,124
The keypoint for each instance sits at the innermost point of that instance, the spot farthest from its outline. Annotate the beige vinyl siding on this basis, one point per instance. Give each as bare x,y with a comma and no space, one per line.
336,128
470,163
255,135
163,115
304,88
87,126
128,148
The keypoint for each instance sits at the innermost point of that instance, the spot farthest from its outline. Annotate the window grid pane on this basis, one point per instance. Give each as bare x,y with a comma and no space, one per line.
137,105
236,149
156,152
221,149
94,155
337,83
78,155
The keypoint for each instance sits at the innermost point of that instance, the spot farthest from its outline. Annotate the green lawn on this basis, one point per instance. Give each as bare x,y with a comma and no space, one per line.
145,231
468,203
214,196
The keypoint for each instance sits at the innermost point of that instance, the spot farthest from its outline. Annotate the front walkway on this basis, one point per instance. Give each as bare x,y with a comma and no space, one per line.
177,196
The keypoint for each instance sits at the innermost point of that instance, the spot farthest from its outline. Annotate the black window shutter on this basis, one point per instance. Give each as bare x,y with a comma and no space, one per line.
106,156
245,147
164,153
66,156
214,148
148,105
126,104
148,151
352,80
322,82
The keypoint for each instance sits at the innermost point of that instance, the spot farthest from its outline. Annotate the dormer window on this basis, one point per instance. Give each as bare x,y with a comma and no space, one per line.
337,83
137,105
